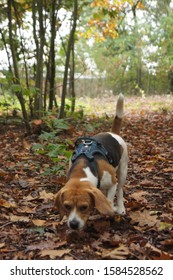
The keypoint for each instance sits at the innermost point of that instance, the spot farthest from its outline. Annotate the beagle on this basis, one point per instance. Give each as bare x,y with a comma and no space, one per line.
98,170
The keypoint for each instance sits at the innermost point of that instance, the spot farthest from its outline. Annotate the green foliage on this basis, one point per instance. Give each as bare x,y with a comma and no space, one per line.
52,150
54,125
52,147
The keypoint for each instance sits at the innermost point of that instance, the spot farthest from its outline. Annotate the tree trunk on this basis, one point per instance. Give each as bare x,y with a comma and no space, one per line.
72,83
70,44
39,67
138,57
52,55
16,71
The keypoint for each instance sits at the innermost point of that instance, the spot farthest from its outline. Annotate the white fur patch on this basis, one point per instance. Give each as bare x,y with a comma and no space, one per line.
89,176
121,174
106,180
107,187
75,217
120,106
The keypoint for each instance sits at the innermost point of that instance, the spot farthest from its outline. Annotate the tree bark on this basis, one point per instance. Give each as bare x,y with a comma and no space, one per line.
39,67
72,77
70,44
52,55
138,48
15,65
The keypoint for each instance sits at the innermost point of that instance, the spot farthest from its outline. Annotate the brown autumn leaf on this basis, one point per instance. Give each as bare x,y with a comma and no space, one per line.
26,144
46,196
101,225
38,223
48,245
167,242
14,218
163,256
147,183
144,218
3,173
139,196
156,254
134,205
37,122
53,254
31,198
7,204
27,183
2,245
26,209
119,253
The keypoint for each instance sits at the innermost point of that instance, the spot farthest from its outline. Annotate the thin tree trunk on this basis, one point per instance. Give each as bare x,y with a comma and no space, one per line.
138,48
16,71
21,43
39,67
52,55
72,83
70,43
46,86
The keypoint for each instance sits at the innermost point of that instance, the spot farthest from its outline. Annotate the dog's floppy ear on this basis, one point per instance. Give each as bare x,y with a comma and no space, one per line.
58,203
102,204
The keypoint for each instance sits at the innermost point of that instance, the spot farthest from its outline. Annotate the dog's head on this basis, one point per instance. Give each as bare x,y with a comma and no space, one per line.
77,199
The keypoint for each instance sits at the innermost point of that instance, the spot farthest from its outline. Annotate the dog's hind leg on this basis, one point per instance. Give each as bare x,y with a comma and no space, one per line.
121,176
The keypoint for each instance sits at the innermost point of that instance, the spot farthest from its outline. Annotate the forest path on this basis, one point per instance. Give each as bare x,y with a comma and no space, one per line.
30,228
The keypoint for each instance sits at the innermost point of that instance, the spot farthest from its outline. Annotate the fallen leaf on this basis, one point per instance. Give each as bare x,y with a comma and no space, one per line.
46,245
26,144
7,204
44,195
139,196
53,254
37,122
2,173
26,209
2,245
38,223
156,254
14,218
101,225
168,242
23,184
144,218
119,253
163,256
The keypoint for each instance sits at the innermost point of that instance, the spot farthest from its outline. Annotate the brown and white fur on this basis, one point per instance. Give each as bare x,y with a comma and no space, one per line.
80,195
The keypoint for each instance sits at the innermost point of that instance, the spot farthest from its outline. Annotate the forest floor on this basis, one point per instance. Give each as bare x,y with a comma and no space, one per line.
29,225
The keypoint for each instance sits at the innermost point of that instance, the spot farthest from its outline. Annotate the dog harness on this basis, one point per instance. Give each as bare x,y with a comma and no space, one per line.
89,147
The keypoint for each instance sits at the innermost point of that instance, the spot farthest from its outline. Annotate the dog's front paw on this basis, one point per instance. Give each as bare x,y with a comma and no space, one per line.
120,210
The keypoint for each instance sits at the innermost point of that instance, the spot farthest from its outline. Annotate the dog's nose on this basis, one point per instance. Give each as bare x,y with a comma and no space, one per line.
74,224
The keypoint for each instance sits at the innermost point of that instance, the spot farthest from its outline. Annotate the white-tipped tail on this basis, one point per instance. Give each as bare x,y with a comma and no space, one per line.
117,122
120,106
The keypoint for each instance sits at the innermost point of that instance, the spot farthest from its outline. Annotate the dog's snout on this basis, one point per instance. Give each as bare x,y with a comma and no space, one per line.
74,224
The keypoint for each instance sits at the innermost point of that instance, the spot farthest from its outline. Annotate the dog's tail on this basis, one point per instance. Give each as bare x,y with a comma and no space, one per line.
117,122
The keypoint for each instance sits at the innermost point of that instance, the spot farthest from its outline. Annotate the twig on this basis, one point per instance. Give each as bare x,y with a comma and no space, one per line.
6,224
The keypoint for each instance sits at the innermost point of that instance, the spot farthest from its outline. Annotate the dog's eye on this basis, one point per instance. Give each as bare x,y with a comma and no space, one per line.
83,208
68,207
